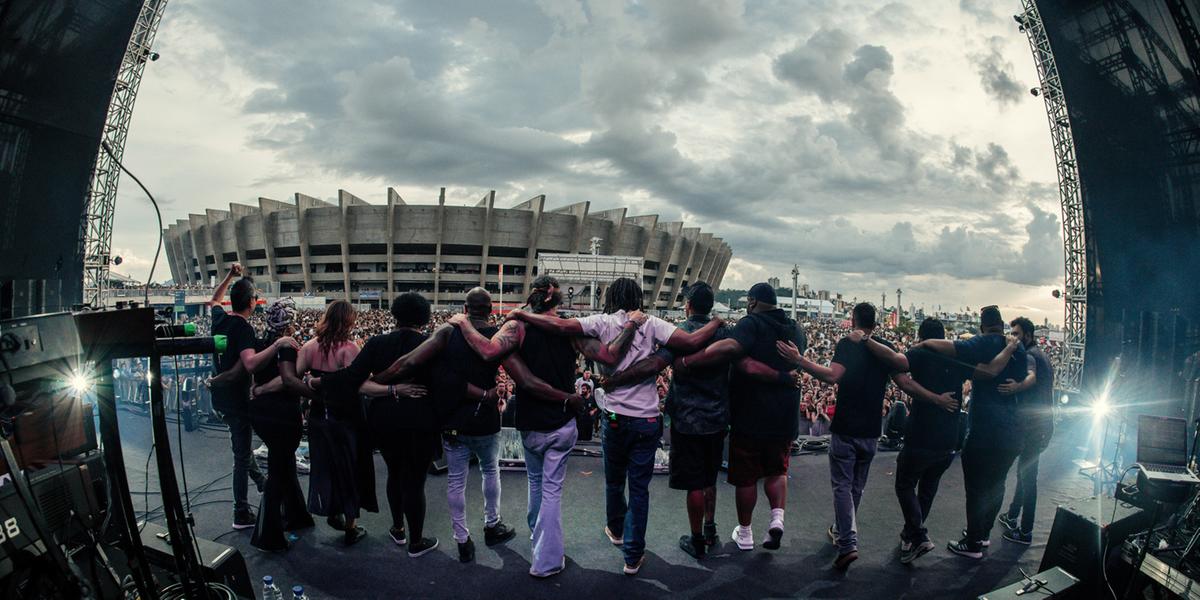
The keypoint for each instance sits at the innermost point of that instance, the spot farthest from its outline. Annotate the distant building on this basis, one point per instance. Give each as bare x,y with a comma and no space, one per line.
773,282
370,252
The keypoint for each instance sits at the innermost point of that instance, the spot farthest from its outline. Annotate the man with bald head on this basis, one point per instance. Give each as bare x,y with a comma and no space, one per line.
470,427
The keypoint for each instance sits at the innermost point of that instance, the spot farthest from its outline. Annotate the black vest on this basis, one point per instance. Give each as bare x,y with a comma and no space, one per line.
458,365
552,358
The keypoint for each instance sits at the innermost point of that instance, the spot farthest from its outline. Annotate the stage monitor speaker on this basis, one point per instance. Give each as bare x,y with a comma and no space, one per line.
1082,538
1052,583
221,563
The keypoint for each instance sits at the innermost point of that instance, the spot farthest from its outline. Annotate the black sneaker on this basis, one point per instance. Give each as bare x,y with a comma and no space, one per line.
354,536
973,550
466,551
1018,537
693,546
422,547
843,560
912,551
397,534
984,543
710,533
774,537
337,522
1009,522
498,534
244,519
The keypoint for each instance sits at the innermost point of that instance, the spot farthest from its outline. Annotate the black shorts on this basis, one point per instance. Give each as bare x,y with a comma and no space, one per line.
695,460
751,459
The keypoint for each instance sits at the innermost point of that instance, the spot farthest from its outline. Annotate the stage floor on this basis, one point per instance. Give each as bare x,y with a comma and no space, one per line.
376,568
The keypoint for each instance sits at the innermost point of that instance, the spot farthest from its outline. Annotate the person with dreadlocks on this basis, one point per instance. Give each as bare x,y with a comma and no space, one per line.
634,425
543,367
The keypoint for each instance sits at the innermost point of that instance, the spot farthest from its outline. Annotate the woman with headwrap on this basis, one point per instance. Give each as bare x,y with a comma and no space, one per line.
275,414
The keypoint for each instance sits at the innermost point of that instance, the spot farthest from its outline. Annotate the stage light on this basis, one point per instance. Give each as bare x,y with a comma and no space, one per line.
1065,399
1100,408
80,383
1035,91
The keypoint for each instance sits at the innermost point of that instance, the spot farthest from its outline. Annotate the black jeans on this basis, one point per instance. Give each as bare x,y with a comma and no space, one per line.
276,420
918,472
407,454
985,468
241,436
1024,502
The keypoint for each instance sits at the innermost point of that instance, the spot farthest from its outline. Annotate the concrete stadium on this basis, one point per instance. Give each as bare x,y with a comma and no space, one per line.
367,252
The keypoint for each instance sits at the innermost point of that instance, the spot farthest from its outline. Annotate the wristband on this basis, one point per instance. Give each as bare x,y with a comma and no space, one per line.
391,390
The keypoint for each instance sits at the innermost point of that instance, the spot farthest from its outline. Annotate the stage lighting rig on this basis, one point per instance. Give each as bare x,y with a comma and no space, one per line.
1101,407
80,383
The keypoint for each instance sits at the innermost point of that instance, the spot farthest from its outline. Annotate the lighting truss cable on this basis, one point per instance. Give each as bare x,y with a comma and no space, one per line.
157,212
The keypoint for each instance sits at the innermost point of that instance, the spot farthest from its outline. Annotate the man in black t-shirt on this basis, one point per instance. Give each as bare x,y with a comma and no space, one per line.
230,401
935,384
1035,403
861,366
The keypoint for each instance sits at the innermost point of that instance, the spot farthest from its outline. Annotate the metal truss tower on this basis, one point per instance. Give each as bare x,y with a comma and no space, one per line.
1070,373
97,219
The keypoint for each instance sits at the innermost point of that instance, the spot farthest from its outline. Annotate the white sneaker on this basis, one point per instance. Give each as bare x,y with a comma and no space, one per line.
261,451
743,539
774,535
302,466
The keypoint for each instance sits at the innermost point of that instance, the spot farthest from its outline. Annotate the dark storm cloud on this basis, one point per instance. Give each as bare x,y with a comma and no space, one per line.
996,74
583,101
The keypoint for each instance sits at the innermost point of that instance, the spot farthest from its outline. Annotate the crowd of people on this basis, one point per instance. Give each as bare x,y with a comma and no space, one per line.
407,381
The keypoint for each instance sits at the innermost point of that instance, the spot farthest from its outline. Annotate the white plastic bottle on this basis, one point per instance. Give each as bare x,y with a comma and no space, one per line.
298,593
270,590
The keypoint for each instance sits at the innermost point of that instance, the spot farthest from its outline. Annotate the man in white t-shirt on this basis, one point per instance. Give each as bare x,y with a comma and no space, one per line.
633,424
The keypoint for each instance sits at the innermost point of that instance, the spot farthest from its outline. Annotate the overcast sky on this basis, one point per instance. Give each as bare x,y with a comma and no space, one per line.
878,145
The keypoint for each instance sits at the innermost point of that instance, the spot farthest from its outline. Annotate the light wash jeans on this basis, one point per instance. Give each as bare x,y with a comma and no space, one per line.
546,465
458,459
849,463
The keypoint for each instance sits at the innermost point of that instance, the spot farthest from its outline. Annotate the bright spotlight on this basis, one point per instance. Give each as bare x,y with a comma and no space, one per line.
1065,399
1100,408
80,383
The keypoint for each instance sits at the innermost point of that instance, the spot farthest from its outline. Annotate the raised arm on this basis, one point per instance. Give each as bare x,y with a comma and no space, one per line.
611,353
548,323
687,343
905,382
507,340
219,294
722,352
539,390
420,355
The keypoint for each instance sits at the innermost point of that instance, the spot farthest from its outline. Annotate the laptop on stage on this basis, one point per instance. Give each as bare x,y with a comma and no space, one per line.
1162,449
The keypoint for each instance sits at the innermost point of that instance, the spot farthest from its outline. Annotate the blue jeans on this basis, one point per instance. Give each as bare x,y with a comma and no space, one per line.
458,459
629,446
546,465
849,462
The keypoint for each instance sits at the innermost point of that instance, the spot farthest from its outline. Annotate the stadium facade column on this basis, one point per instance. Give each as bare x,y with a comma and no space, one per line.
200,243
345,201
216,242
534,204
710,261
692,236
580,211
706,241
437,250
726,256
303,203
169,245
643,225
266,206
393,201
488,202
668,253
240,212
616,218
182,251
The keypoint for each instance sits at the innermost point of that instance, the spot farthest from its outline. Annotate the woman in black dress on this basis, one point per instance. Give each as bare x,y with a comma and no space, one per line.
335,451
